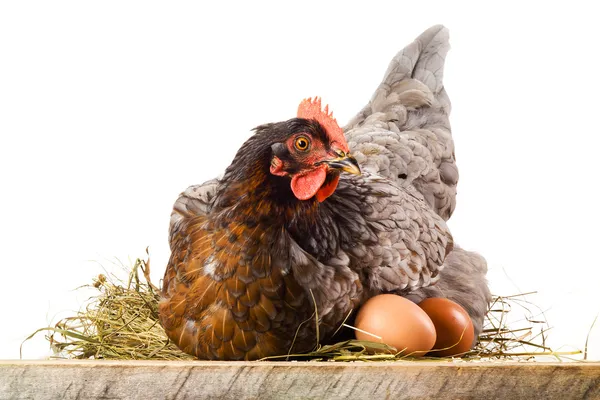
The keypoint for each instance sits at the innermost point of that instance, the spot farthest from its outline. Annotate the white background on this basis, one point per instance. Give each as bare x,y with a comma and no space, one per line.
108,110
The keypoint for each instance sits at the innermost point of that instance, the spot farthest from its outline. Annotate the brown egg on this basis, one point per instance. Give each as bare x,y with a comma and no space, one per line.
399,322
453,327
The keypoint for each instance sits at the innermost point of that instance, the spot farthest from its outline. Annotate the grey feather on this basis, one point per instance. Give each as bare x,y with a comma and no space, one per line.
195,200
405,242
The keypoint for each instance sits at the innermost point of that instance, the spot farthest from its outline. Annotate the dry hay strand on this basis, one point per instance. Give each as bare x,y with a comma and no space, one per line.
121,323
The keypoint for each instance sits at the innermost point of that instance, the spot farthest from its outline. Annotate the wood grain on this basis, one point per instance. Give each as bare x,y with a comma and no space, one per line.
297,380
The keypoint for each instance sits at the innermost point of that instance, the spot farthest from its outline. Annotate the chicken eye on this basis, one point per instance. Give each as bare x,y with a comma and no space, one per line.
302,143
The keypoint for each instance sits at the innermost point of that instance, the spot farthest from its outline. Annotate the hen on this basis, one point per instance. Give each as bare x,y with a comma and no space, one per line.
294,233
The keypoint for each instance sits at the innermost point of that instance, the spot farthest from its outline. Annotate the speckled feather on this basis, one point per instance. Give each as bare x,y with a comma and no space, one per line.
246,274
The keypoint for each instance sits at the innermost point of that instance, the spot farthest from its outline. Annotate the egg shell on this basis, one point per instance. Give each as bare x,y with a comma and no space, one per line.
454,328
399,322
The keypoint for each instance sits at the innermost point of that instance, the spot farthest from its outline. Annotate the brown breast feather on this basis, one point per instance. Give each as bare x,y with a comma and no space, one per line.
222,297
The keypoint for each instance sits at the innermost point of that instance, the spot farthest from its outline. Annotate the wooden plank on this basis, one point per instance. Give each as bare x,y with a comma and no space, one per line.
72,379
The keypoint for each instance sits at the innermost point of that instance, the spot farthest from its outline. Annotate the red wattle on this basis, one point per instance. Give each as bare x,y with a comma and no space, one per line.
306,185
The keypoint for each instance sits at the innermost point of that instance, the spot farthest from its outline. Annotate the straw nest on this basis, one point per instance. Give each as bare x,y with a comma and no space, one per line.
121,323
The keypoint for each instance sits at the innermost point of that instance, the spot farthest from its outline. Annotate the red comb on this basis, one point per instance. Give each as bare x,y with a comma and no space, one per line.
311,109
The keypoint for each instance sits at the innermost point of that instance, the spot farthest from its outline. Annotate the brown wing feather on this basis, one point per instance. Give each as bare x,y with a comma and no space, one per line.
222,299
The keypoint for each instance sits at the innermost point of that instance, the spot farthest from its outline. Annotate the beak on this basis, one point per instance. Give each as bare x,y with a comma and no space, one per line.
345,163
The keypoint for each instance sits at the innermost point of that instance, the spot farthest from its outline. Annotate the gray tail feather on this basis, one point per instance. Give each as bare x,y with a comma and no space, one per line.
422,60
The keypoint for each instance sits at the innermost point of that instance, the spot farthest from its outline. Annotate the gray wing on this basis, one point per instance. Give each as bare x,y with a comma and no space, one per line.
383,238
195,200
398,243
407,249
403,133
